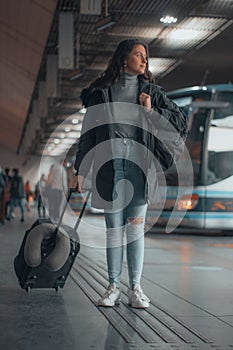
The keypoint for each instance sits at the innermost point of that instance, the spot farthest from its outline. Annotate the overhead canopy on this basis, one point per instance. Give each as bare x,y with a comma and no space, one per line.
195,49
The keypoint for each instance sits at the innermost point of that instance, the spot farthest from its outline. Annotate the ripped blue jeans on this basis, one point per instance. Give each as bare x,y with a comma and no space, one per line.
125,222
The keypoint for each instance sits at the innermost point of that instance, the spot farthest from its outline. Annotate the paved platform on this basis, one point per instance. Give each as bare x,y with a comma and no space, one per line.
188,278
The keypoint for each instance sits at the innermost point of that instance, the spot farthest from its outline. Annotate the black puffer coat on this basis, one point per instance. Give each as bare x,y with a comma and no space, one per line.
96,131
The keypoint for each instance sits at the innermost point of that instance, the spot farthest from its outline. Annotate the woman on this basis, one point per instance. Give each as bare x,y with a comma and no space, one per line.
123,161
28,192
2,197
40,189
17,194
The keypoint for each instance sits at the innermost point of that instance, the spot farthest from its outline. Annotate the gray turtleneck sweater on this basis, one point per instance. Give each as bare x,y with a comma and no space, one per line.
125,90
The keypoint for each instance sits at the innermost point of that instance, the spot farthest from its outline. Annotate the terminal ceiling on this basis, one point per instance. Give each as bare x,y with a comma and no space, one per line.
195,50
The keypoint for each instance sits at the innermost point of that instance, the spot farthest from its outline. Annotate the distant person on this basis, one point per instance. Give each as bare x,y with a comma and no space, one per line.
57,185
48,191
2,197
7,190
41,185
17,194
28,193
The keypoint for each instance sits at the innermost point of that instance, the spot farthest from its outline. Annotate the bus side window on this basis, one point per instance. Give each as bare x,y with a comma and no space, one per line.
211,163
221,163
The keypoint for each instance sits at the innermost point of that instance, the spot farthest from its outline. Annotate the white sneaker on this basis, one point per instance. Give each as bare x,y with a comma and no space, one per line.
137,298
111,297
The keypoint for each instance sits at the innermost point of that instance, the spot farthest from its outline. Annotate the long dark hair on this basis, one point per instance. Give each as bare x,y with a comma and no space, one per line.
116,64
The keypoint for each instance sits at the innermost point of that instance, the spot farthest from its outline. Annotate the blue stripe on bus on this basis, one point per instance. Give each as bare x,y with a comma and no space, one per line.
219,215
222,194
193,215
177,214
206,193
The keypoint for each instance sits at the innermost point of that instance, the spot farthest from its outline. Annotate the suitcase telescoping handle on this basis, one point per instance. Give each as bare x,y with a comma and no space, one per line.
70,192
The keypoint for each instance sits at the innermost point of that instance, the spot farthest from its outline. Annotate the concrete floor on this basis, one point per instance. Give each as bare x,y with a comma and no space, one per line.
188,278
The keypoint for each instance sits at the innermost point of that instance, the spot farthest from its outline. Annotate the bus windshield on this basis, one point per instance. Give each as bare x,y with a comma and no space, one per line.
220,141
210,137
194,142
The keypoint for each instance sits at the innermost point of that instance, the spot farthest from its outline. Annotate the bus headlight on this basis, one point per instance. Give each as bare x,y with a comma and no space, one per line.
187,202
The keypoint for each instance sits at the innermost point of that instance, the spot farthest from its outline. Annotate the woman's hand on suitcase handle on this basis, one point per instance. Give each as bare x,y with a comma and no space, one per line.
80,182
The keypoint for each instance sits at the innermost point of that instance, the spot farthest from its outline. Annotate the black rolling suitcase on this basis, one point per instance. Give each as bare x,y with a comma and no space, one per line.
47,253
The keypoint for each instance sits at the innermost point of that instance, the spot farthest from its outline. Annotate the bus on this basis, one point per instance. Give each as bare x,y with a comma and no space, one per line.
209,207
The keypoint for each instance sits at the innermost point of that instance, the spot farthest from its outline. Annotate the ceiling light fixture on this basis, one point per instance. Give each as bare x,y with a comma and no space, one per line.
104,23
75,121
82,110
50,148
168,19
59,102
76,74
